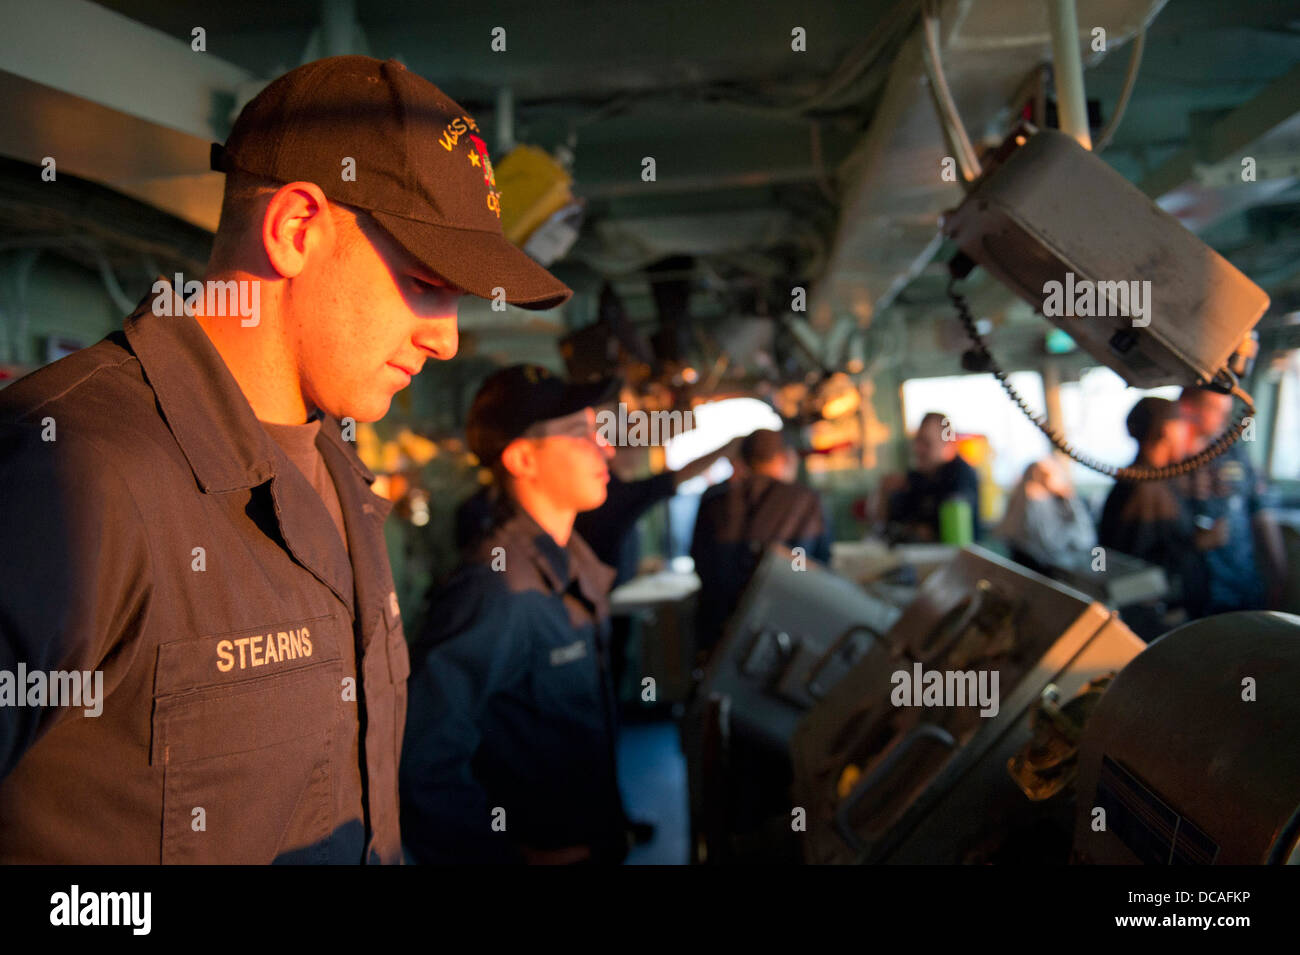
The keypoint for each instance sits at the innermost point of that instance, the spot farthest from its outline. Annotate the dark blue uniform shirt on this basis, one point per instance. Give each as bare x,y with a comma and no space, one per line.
511,720
923,494
1231,491
611,529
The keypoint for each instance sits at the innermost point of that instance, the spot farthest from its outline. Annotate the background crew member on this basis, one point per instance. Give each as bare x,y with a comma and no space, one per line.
739,518
1148,519
938,473
510,739
1045,523
1227,493
612,533
611,529
181,510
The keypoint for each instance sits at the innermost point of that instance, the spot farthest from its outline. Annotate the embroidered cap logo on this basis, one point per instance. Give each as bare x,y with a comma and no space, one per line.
489,177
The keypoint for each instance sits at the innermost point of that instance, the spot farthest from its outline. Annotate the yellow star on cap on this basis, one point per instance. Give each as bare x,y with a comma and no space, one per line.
473,158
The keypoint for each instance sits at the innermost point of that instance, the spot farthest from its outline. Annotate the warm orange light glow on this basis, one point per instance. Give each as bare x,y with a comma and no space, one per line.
846,402
974,448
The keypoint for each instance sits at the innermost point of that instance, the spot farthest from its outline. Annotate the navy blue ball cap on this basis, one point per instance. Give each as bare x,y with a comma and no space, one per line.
513,399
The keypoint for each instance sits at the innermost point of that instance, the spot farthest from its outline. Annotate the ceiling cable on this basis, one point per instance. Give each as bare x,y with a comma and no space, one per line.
1130,80
1132,473
949,118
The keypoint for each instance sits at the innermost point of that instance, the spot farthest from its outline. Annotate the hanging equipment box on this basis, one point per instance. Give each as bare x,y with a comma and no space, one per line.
1054,212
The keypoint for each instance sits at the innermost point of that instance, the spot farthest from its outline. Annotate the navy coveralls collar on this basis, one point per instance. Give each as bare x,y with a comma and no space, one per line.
560,566
213,422
228,449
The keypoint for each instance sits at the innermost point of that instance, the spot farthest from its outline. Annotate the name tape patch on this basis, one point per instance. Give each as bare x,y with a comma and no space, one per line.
263,648
568,654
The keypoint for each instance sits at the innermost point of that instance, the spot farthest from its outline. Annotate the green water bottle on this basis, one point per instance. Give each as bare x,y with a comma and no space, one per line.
956,522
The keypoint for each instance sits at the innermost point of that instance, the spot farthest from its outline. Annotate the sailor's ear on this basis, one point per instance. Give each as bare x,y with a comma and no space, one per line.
520,458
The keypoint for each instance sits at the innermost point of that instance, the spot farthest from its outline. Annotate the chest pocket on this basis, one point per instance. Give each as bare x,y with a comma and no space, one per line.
244,727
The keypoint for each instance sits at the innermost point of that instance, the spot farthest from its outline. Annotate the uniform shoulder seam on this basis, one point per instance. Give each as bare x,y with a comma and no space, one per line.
82,380
109,464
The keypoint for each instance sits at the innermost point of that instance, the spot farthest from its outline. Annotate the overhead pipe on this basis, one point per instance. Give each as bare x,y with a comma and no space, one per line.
1067,65
505,120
